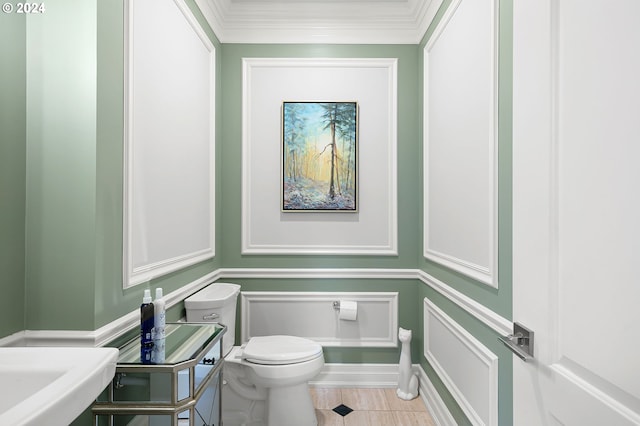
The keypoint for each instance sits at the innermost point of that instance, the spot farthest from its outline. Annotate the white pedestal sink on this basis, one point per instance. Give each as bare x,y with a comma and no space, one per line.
51,385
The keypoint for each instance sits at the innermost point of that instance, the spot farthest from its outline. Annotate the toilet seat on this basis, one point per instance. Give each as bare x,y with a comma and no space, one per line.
280,350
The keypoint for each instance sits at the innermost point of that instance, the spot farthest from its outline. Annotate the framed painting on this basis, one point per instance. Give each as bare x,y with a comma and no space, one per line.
319,156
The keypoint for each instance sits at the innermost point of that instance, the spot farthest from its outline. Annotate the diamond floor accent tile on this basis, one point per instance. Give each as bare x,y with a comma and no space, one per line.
342,409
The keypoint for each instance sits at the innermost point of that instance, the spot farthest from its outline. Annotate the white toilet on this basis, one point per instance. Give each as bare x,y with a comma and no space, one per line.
266,380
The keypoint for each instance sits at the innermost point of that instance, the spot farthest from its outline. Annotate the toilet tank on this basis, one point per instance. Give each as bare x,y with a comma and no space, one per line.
215,303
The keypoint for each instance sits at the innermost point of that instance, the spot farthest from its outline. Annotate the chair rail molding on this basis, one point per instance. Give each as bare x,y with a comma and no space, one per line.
104,334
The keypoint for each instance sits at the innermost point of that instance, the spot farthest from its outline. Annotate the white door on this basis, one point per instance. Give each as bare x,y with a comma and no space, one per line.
576,210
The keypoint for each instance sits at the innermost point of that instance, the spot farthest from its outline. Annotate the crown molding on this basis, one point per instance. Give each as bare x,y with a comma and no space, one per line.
320,22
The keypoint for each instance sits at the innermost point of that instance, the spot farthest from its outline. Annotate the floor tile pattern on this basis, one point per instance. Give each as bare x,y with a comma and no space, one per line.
371,407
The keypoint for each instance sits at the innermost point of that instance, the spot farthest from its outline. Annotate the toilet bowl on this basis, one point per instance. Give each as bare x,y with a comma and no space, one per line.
272,372
266,379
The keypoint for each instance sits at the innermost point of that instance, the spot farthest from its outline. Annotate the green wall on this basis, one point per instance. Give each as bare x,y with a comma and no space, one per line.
62,119
60,213
12,171
409,141
498,300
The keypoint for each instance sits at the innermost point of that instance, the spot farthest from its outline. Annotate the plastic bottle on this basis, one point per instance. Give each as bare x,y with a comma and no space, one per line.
159,335
146,328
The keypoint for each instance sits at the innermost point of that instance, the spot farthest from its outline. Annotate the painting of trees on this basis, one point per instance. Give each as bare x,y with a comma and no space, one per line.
319,156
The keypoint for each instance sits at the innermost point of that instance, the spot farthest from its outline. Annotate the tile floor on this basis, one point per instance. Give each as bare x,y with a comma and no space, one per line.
371,407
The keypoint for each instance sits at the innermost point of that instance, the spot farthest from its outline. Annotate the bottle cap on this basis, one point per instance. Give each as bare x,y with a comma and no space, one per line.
159,293
147,296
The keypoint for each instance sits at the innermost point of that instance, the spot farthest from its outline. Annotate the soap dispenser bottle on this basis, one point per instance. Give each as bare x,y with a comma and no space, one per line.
146,328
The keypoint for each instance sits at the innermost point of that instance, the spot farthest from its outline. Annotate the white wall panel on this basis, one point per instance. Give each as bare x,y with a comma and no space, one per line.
169,138
460,137
266,84
466,366
311,315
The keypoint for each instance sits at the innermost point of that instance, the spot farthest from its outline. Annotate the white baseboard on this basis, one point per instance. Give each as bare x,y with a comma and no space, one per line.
357,376
15,339
60,338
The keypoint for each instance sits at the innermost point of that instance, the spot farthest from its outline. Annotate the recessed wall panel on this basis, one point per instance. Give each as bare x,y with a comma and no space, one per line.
312,315
169,138
372,84
467,367
460,140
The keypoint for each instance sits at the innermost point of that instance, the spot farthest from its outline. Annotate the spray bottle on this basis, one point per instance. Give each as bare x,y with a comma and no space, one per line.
146,328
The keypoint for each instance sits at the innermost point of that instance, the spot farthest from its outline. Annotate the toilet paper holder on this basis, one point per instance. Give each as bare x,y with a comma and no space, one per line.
336,305
347,310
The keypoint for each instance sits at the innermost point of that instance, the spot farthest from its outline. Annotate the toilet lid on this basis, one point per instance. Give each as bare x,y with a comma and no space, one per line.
280,350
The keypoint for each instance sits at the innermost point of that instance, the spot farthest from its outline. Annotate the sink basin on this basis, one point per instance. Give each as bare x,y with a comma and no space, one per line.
51,385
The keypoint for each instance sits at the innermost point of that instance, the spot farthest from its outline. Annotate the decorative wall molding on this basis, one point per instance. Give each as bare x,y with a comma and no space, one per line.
312,315
496,322
320,21
467,368
112,330
169,211
130,321
267,230
458,233
109,331
499,324
318,273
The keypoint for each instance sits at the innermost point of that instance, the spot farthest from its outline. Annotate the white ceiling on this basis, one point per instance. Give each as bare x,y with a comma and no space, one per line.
319,21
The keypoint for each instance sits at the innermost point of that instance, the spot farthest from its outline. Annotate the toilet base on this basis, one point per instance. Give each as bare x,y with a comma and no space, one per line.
267,395
280,409
290,406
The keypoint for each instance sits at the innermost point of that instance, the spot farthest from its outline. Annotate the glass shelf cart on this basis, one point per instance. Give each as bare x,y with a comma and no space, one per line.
182,390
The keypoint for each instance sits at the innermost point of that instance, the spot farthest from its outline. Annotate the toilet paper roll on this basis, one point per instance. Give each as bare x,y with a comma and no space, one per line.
348,310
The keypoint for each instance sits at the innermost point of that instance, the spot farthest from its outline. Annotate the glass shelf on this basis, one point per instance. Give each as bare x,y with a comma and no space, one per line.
184,342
